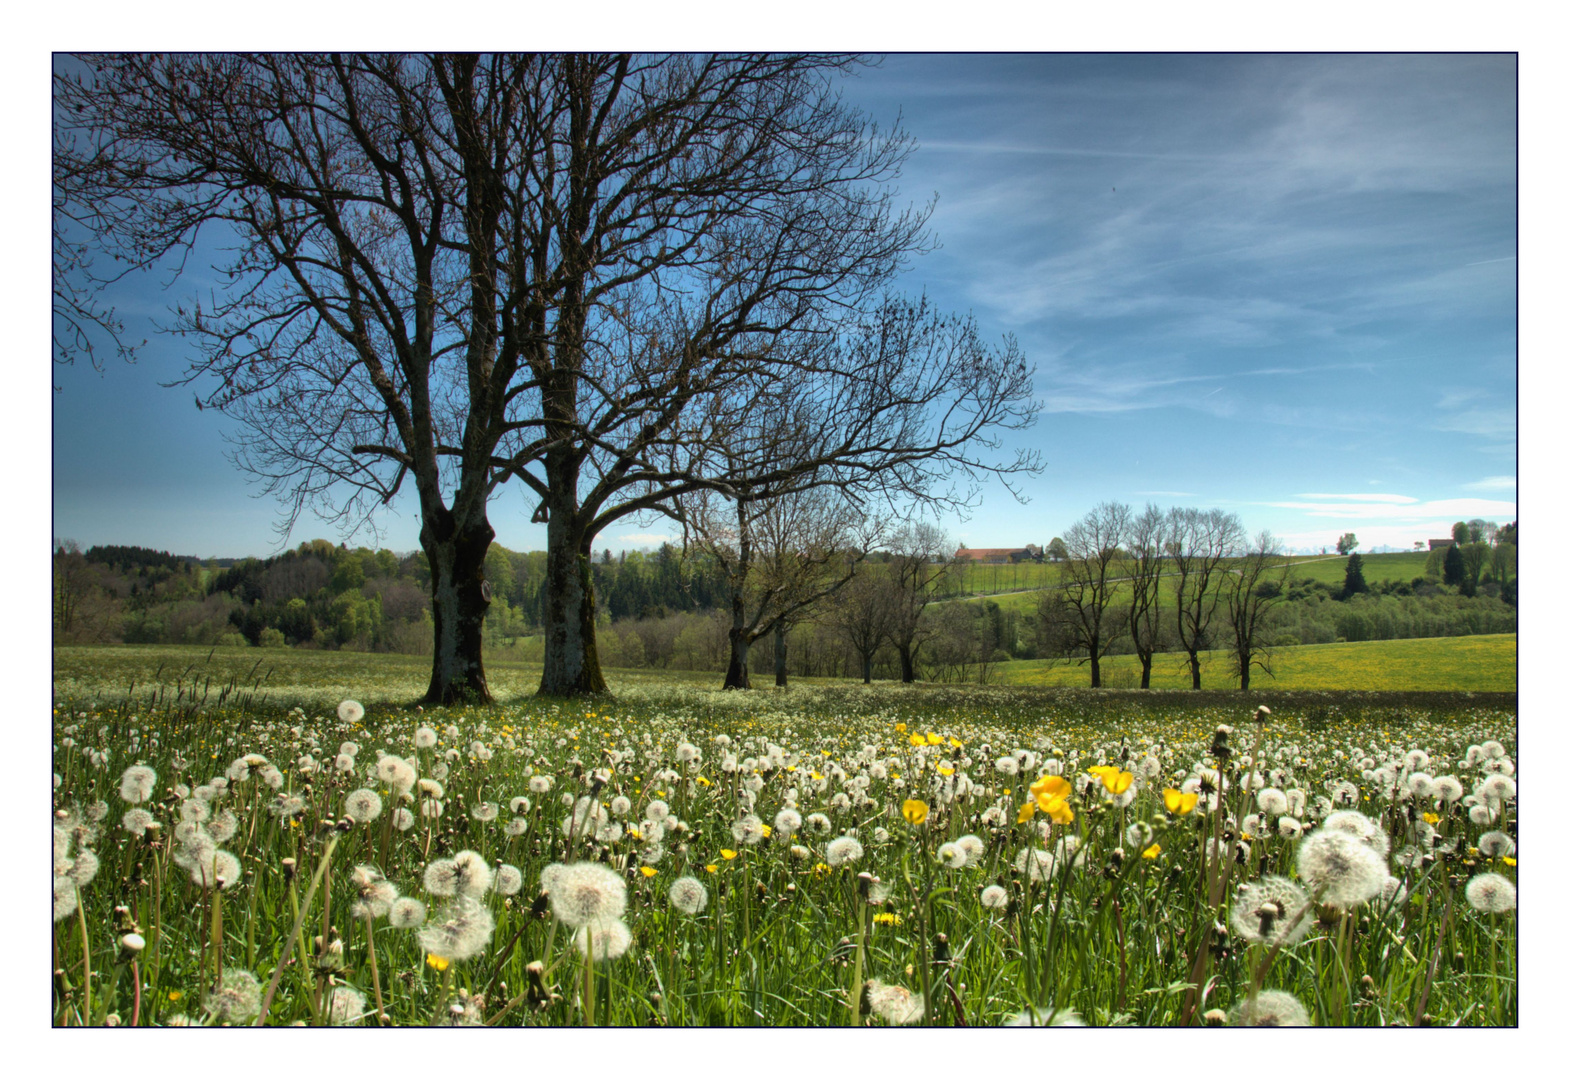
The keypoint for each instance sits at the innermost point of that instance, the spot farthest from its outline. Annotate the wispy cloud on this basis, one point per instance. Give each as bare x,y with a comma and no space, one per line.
1373,498
1492,483
1355,508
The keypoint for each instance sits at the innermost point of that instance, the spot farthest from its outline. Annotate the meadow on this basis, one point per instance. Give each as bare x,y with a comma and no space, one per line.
297,844
1476,663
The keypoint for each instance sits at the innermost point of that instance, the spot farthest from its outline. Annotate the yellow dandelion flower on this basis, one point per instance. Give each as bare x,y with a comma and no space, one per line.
647,871
887,918
915,740
712,868
440,963
1151,852
727,854
176,995
1026,812
1507,860
1432,819
914,811
899,728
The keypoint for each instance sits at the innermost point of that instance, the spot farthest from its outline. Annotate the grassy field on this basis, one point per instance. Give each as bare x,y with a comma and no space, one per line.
1483,662
181,675
830,856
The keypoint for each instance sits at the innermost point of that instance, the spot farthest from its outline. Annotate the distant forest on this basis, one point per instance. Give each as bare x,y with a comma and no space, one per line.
658,609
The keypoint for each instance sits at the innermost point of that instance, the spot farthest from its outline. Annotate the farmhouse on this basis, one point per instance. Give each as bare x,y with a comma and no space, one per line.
1435,545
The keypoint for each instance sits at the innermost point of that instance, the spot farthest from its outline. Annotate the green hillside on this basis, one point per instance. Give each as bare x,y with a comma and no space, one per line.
1481,662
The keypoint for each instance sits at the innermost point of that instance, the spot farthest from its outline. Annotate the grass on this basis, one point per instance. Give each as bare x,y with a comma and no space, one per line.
1479,663
1116,932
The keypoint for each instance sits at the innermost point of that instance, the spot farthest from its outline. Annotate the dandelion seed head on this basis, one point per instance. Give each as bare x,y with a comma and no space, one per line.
895,1004
509,880
459,931
362,806
1271,911
238,998
608,938
136,821
1495,844
1339,869
842,850
994,896
137,783
1362,827
351,712
346,1006
405,913
585,892
688,895
396,773
1491,894
1270,1008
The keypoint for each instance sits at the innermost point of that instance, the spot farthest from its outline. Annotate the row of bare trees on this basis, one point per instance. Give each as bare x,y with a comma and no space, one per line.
1192,575
631,285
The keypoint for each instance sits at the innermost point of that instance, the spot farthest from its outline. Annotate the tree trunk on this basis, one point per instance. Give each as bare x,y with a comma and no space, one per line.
572,662
779,654
1245,662
458,605
1193,665
1144,672
866,668
1095,668
907,664
736,675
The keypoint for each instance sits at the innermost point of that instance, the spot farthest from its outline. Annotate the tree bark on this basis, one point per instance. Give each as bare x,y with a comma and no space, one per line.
1193,666
907,664
458,605
572,660
1095,668
736,674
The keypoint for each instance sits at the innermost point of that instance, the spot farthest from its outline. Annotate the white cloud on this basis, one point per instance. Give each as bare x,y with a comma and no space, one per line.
1492,483
1375,498
1493,423
1404,514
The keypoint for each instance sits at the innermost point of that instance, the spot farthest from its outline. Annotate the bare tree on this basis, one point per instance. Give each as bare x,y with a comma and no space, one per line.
861,616
375,309
1147,559
1200,541
1081,609
914,569
1255,582
781,555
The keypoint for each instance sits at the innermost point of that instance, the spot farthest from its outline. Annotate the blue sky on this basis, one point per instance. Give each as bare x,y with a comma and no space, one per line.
1280,284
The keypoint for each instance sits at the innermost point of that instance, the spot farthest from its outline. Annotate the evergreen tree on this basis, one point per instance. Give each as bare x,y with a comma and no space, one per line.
1455,566
1354,582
